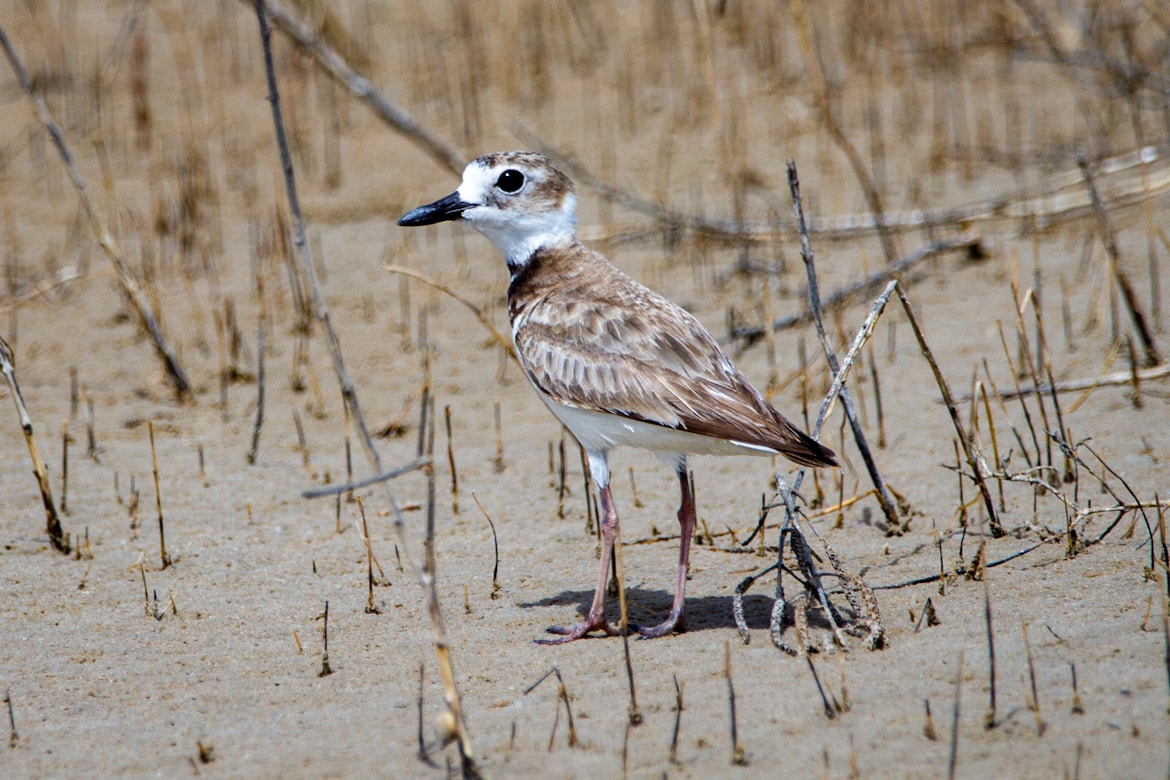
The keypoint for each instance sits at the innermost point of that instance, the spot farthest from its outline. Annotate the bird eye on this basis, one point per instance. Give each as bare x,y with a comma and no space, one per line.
510,181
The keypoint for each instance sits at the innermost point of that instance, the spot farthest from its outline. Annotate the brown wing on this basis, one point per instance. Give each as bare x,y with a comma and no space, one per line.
628,351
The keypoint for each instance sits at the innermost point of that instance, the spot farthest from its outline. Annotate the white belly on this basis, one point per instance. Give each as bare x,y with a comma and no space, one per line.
600,432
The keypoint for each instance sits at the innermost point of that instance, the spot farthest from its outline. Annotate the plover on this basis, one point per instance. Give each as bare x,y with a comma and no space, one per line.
616,363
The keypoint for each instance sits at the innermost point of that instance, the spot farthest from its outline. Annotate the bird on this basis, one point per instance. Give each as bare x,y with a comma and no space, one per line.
617,363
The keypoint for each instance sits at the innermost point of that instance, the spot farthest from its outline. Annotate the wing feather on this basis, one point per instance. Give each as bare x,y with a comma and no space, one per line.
625,350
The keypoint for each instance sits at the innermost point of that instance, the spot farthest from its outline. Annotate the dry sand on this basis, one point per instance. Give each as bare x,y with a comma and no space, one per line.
227,650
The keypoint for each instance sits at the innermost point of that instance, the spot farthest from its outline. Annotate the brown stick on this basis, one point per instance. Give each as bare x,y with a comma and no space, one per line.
885,500
1136,315
162,537
259,421
57,536
64,467
973,461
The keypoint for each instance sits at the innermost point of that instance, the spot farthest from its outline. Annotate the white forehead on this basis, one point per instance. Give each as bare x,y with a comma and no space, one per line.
478,180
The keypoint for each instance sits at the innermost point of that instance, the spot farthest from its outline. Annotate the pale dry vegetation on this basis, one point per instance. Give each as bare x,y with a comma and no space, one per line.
173,355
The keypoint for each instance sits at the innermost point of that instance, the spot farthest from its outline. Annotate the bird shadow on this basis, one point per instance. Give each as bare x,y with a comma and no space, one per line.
650,607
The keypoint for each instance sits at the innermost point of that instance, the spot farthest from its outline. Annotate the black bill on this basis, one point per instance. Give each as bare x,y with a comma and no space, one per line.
450,207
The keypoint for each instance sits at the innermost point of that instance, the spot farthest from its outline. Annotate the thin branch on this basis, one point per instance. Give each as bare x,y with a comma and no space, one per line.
885,500
336,66
333,490
1047,205
425,573
858,342
105,238
863,286
1136,315
475,310
1073,385
978,467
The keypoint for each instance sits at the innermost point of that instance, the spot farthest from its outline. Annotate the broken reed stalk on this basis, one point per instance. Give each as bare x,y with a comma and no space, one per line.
326,669
885,500
451,466
302,442
859,341
678,710
1136,315
563,695
13,737
974,460
562,698
259,421
952,763
339,69
989,721
1028,363
57,536
64,467
994,440
495,594
162,537
1023,405
1034,704
91,450
371,608
105,238
738,754
425,575
422,754
429,472
498,465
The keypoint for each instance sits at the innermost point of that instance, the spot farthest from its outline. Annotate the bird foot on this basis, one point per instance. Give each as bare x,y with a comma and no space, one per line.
569,633
669,626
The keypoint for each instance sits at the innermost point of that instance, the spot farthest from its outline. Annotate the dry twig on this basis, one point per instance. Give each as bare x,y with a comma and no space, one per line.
337,67
105,238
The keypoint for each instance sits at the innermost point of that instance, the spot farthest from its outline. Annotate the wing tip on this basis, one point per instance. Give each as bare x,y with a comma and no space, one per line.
807,451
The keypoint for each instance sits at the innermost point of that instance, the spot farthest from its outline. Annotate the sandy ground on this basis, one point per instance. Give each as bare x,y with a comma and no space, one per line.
217,673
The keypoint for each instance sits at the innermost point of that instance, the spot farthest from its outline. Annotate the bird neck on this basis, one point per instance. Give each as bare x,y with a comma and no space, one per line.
522,255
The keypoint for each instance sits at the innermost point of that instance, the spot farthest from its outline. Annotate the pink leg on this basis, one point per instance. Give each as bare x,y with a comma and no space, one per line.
686,519
596,620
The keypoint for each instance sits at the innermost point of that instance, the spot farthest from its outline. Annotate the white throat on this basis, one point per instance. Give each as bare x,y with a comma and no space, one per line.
518,233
